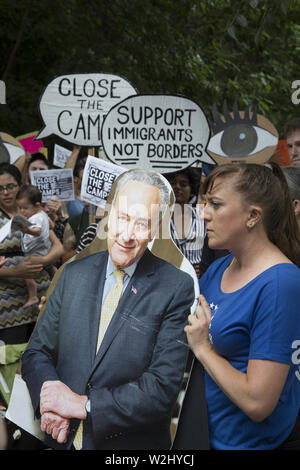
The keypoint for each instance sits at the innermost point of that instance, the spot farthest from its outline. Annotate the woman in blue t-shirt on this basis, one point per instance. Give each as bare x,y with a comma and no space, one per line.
246,332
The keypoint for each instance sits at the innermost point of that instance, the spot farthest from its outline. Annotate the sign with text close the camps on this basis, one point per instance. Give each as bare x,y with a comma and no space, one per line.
163,133
56,184
74,107
98,178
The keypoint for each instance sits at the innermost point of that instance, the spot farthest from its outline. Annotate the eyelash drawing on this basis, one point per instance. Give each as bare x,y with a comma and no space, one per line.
239,135
218,125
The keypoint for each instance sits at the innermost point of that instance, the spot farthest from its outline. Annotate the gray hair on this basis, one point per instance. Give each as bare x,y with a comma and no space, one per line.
292,176
147,177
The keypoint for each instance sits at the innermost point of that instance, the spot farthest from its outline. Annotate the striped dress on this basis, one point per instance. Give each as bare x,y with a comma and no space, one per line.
13,291
192,245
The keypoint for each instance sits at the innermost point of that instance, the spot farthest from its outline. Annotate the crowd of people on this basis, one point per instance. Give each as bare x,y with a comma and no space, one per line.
238,227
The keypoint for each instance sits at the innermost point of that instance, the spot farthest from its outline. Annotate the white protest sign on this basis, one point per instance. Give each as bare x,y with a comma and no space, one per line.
56,184
74,107
163,133
97,180
20,410
60,156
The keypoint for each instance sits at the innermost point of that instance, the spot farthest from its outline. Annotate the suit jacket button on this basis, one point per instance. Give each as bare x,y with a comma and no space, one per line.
89,387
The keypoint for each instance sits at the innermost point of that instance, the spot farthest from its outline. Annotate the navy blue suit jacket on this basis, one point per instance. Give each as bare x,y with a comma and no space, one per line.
134,380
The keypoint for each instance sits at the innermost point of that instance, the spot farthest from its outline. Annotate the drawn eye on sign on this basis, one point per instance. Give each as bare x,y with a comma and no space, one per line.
163,133
241,136
74,107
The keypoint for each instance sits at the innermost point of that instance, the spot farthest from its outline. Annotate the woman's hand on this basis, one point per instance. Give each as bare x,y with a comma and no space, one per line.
53,208
42,302
55,253
26,269
197,330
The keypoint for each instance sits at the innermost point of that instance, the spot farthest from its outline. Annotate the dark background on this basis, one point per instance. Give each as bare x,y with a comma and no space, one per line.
208,51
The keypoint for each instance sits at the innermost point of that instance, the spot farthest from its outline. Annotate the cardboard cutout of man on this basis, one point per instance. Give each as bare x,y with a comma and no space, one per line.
122,395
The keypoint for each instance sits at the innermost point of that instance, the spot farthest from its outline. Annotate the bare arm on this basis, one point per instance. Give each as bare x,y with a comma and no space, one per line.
55,253
69,243
26,269
34,231
32,265
71,162
246,390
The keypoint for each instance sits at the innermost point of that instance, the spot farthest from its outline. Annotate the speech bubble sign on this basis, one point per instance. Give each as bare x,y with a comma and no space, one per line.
163,133
74,107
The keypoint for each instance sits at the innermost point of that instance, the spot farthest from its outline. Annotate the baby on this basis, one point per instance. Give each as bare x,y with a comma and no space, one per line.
35,240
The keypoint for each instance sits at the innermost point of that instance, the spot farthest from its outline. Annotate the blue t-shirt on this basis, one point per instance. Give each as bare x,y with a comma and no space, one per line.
75,207
259,321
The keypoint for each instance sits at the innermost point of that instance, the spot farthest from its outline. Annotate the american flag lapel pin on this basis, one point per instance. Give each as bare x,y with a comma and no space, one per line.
133,290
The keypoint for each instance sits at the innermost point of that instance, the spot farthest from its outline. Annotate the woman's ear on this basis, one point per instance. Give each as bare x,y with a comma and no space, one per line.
254,216
296,205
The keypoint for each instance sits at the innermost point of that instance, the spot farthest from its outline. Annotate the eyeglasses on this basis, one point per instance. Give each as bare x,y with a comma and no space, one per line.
9,188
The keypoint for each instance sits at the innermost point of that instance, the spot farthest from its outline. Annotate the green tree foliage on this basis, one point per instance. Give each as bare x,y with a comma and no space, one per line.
207,50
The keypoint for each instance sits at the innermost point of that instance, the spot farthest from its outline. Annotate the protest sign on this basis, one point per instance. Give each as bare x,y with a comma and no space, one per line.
56,184
10,149
60,156
29,143
163,133
97,180
74,107
239,136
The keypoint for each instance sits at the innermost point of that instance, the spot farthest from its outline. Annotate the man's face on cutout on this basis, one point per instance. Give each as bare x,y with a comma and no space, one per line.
133,222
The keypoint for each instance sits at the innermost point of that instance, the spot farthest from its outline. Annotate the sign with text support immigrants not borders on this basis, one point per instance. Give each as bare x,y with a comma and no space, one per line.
164,133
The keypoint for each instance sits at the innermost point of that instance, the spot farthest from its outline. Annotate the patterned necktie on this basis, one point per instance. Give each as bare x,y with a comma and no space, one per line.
110,305
107,311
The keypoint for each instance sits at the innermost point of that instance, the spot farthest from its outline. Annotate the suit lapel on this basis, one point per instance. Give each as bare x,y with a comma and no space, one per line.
132,294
